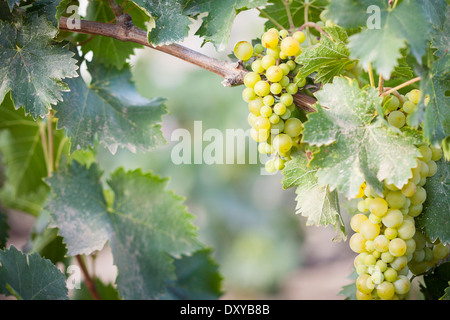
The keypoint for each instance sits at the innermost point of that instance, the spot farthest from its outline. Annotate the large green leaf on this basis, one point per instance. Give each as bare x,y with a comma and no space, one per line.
30,277
441,36
436,212
355,147
111,109
216,26
328,58
314,201
146,225
109,51
32,66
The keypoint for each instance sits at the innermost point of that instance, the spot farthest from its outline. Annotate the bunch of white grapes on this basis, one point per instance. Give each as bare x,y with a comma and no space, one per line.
269,90
388,244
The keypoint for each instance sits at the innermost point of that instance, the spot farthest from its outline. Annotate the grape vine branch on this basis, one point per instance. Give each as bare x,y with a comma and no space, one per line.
125,30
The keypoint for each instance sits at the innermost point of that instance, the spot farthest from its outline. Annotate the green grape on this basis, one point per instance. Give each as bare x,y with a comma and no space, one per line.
268,100
251,119
409,107
283,33
387,257
270,39
268,61
279,164
381,243
369,230
262,147
419,197
375,219
257,66
395,199
287,99
363,296
406,230
276,88
299,36
248,94
378,207
409,189
274,52
410,246
274,118
292,88
259,136
420,240
285,68
436,154
285,81
361,284
251,78
402,285
262,88
377,277
428,254
270,166
390,233
397,247
393,103
290,46
291,64
419,255
293,127
386,290
415,210
425,152
414,96
258,48
440,251
399,263
432,168
362,207
393,218
261,123
277,128
266,111
397,119
255,106
356,221
282,143
424,170
274,74
390,274
370,247
381,265
279,108
286,115
243,50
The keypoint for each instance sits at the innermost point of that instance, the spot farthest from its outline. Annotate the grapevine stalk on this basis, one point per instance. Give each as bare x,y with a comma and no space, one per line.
405,84
87,278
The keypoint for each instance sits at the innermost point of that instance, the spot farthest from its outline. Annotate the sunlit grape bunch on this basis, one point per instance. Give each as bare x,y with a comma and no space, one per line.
269,90
388,244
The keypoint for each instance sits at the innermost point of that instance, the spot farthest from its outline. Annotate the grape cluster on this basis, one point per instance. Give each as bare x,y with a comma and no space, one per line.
388,244
269,90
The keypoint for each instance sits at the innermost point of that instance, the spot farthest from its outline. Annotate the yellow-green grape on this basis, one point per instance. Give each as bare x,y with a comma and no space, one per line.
251,78
361,284
274,52
397,119
390,274
399,263
279,108
268,100
419,197
290,46
251,119
287,99
277,128
261,123
285,81
292,88
257,66
409,189
436,154
286,115
274,74
248,94
440,251
274,118
243,50
381,243
393,103
425,152
378,207
283,33
432,168
291,64
268,61
381,265
259,136
415,210
285,68
258,48
395,199
385,290
276,88
293,127
402,285
375,219
419,255
428,254
279,164
255,106
414,96
423,169
266,111
270,166
409,107
369,260
270,39
387,257
263,148
299,36
363,296
262,88
282,143
420,240
406,230
397,247
393,218
356,221
410,247
369,230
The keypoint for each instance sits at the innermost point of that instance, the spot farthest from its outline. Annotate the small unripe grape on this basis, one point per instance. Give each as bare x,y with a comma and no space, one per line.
243,50
286,99
270,166
293,127
397,119
362,206
424,170
277,128
292,88
420,239
274,53
419,255
291,64
399,263
266,111
440,251
285,68
248,94
283,33
285,81
268,100
299,36
425,152
274,74
279,164
258,48
436,154
262,88
279,108
409,107
274,118
290,46
410,247
432,168
275,88
269,39
387,257
391,233
419,197
428,254
409,189
393,103
390,274
261,123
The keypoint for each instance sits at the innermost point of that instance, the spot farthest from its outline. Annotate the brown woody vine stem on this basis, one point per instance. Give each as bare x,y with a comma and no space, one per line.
125,30
87,279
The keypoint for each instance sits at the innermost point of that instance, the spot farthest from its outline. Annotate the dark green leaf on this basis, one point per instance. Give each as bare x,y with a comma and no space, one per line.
111,109
145,225
32,66
30,277
436,282
105,291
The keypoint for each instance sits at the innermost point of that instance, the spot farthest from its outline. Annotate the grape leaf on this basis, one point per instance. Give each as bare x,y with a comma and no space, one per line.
145,225
314,201
11,4
112,109
30,277
171,25
216,26
198,278
328,58
441,36
353,147
437,282
47,8
4,227
277,11
32,65
105,291
106,50
436,209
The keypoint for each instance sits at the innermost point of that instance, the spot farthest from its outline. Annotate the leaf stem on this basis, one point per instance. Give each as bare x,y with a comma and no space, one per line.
314,25
265,14
306,17
380,84
372,80
289,15
405,84
87,278
45,147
